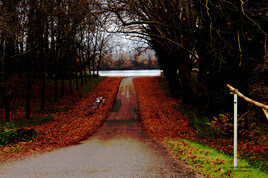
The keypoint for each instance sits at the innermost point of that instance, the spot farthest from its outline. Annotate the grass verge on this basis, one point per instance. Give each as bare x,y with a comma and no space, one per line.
90,85
210,162
36,120
167,118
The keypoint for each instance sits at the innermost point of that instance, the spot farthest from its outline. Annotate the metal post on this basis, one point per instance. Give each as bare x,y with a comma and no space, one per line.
235,130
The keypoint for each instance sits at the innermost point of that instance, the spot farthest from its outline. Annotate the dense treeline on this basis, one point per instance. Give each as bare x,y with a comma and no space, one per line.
226,39
129,64
48,40
63,39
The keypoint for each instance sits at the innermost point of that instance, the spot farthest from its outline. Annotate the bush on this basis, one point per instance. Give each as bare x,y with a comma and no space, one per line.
223,125
7,135
259,92
10,134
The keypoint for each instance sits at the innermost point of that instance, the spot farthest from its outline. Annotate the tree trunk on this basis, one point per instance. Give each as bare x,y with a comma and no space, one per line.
81,71
29,84
89,70
187,90
70,83
62,73
43,77
55,88
6,106
76,80
85,73
93,66
76,73
44,50
99,61
43,90
30,57
8,49
62,83
55,75
173,81
4,91
28,95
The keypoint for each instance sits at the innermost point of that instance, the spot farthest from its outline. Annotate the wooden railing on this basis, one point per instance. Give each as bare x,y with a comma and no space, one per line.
263,106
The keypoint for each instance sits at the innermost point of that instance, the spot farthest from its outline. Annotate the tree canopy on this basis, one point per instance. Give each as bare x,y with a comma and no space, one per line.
48,40
226,40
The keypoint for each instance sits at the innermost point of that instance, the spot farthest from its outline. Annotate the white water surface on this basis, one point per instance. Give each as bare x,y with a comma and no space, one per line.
130,73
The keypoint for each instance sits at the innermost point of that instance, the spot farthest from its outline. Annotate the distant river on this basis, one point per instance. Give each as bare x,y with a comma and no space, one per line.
128,73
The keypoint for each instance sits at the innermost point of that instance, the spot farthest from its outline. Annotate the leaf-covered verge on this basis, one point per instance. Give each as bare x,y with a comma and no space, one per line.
160,116
75,118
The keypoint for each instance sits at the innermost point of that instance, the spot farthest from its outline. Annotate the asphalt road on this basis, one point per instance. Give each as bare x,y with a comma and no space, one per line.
120,148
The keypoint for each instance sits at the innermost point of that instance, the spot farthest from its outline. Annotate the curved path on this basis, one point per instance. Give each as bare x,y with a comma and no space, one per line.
120,148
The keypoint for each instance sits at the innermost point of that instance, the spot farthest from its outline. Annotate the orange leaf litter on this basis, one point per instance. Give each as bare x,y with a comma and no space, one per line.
71,126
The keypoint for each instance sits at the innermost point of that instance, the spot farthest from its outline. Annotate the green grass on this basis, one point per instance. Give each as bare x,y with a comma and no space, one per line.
189,111
87,87
164,86
17,131
199,124
93,81
208,165
55,109
12,132
90,85
12,149
210,162
26,123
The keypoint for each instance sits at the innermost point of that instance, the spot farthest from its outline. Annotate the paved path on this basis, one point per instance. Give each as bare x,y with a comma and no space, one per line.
119,148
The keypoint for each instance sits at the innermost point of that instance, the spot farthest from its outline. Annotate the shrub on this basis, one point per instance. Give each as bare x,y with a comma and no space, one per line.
7,133
10,134
223,125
